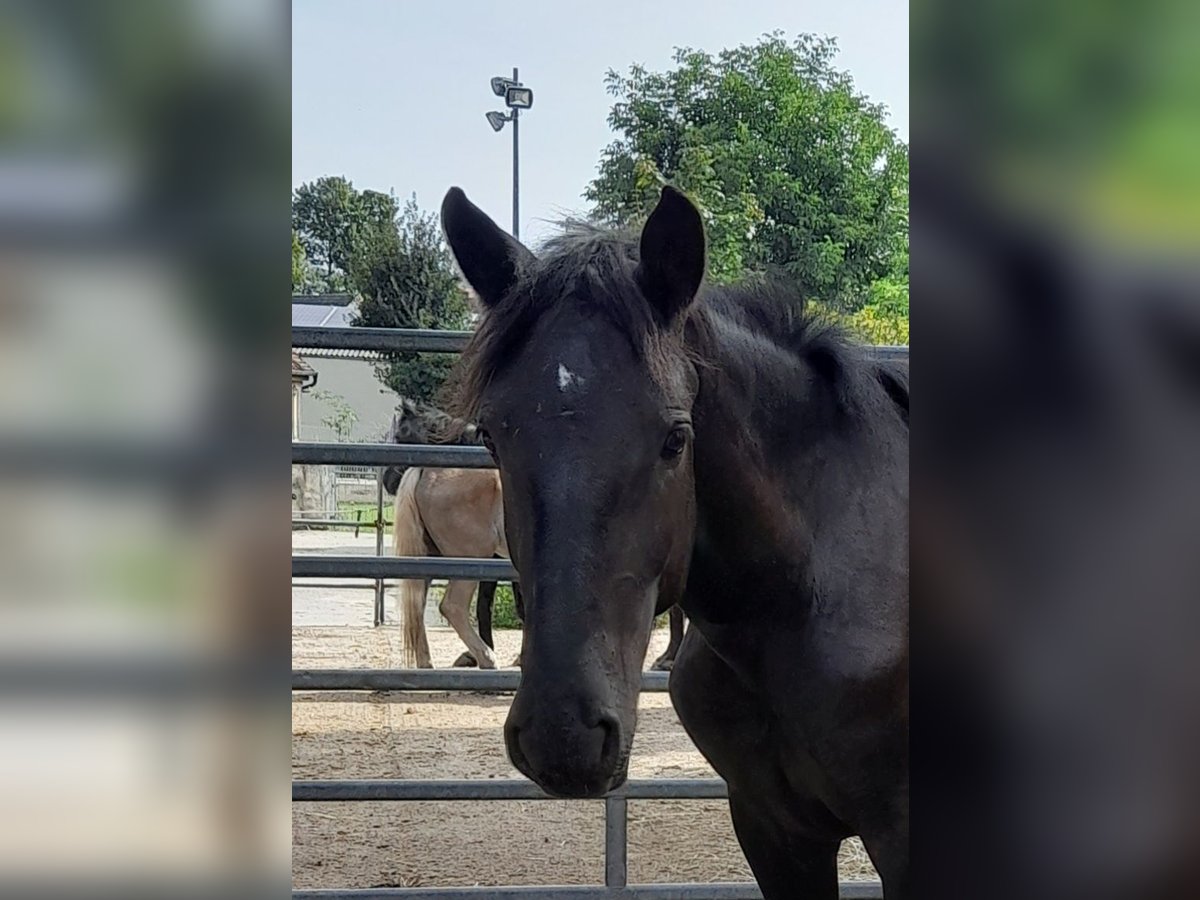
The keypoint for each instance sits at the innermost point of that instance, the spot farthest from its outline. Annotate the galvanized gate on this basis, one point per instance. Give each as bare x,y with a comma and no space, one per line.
379,568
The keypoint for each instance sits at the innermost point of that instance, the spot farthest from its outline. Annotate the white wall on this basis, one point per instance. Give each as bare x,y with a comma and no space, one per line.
355,381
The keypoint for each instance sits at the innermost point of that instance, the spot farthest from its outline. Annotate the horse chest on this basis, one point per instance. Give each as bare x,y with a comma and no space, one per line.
728,584
764,739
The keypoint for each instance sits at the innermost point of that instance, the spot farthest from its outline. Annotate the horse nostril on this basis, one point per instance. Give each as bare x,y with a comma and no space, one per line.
610,751
512,737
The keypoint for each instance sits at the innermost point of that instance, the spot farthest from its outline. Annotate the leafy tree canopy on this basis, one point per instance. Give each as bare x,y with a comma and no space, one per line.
794,170
394,258
302,274
335,223
406,279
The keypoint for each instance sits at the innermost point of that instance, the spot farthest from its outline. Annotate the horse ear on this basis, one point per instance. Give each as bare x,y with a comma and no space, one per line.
672,254
894,378
490,259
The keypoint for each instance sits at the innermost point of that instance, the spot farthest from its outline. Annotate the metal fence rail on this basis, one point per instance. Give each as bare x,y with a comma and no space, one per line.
848,890
393,790
448,456
402,567
437,341
356,524
491,680
379,568
381,339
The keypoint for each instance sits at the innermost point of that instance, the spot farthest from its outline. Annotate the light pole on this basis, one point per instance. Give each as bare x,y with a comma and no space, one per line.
516,97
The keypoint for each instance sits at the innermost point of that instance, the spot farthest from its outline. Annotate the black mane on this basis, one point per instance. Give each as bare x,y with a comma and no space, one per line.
596,266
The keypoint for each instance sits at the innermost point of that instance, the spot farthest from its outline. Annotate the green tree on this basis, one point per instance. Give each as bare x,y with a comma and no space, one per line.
883,319
793,169
395,260
341,417
406,278
302,279
337,224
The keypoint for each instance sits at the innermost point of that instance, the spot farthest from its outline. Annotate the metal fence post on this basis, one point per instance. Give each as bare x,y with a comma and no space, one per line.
378,544
616,864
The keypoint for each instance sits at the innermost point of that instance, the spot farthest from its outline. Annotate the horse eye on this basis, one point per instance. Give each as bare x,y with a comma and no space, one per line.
675,443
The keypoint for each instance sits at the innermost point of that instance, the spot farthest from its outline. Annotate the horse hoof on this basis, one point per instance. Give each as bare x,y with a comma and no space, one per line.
663,665
487,663
466,661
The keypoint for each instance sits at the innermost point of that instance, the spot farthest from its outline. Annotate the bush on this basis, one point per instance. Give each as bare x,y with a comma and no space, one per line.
883,319
874,325
504,610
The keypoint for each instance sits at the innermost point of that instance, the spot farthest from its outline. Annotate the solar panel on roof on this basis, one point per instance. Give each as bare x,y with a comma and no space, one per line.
312,315
343,317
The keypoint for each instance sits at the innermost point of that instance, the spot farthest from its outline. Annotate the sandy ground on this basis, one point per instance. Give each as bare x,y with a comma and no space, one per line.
439,735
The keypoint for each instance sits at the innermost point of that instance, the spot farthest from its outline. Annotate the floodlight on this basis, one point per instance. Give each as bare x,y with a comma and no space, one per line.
518,97
496,120
500,84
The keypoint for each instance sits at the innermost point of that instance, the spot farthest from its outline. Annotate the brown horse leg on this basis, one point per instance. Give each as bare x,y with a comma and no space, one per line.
667,661
456,608
483,615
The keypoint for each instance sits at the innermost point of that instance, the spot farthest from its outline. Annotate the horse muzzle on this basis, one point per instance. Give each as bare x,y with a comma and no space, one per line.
567,749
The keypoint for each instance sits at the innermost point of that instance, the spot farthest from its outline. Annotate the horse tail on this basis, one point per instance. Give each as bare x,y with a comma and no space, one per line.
409,539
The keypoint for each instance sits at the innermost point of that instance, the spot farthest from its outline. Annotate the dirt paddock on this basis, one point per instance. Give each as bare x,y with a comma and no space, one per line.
456,735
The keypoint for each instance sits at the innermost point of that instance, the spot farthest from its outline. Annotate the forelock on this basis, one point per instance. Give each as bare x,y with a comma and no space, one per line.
593,266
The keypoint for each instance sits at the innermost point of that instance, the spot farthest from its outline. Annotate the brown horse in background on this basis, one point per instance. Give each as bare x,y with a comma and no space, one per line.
442,501
447,512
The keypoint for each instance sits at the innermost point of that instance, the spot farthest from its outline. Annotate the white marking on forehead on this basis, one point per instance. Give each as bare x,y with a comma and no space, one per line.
566,377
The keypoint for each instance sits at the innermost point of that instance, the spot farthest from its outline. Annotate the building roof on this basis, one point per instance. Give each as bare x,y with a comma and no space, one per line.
323,310
302,371
341,353
333,298
328,311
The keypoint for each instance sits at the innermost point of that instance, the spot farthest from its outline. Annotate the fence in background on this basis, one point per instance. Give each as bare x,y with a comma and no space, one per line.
378,568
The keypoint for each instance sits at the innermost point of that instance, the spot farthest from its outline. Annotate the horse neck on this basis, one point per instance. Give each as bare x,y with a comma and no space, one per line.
427,424
774,473
746,386
454,431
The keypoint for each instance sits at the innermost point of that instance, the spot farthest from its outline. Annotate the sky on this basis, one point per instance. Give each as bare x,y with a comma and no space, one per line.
392,93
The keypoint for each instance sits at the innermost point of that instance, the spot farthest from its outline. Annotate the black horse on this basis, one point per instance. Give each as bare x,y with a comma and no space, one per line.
659,442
